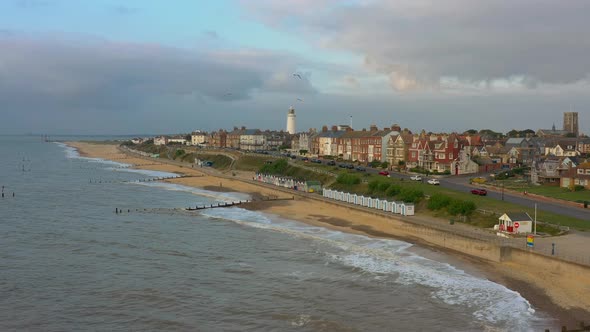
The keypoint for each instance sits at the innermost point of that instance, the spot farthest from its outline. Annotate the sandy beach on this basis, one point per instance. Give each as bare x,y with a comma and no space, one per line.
559,288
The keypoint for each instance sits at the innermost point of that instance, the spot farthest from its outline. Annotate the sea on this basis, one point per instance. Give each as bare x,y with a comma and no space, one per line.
68,262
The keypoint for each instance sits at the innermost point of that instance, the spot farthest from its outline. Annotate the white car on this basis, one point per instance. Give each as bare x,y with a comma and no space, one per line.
433,181
416,178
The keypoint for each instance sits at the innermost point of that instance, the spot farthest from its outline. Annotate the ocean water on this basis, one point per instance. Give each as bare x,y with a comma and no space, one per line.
69,263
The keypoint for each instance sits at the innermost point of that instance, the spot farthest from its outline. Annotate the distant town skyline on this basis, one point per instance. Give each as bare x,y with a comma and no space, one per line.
118,67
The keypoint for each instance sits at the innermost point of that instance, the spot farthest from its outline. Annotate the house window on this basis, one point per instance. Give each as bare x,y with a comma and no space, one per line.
450,156
588,171
413,154
580,171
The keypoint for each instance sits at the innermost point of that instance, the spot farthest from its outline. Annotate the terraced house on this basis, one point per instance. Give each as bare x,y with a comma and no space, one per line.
365,146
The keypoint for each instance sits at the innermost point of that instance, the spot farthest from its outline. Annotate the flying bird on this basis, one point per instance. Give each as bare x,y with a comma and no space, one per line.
297,75
227,94
299,99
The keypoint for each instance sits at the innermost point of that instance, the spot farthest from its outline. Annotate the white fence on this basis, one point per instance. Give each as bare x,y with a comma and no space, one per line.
406,209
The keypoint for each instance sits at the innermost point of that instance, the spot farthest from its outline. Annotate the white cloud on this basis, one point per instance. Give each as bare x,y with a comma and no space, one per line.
420,43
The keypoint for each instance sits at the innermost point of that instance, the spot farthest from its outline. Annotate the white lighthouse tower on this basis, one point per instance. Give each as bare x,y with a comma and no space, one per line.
291,120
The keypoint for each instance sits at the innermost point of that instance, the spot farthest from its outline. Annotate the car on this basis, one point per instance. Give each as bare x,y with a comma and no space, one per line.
331,163
384,173
293,157
416,178
360,168
317,161
433,182
342,165
305,159
480,192
350,166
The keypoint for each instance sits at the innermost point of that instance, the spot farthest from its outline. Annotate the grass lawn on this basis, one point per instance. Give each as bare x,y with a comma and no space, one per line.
251,162
545,190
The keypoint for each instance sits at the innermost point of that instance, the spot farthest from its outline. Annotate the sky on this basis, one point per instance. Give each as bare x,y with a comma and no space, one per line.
160,66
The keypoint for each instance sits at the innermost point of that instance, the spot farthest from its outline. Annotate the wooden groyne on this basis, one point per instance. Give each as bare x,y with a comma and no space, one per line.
205,206
101,181
218,205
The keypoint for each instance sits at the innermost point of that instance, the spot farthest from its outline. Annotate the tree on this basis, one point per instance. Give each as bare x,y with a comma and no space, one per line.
302,152
470,132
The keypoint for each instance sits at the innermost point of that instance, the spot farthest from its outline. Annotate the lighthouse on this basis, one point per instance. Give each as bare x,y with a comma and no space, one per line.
291,120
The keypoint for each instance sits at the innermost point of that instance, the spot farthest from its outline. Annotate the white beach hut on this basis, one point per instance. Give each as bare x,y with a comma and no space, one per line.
407,209
398,207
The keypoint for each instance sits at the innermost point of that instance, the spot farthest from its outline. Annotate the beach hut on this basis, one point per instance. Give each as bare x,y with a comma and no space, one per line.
407,209
351,198
398,207
367,201
516,223
361,200
391,207
384,205
356,199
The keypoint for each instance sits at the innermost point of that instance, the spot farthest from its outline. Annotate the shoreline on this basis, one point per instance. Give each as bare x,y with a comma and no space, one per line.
546,292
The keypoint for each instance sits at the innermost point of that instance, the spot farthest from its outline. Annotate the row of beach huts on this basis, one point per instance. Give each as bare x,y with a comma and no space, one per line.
405,209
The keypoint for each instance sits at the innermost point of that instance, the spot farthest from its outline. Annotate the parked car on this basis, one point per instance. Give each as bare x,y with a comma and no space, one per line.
350,166
360,168
317,161
305,159
416,177
293,157
331,163
480,192
434,182
342,165
384,173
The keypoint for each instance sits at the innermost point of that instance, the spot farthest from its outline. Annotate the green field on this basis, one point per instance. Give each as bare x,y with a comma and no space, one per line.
545,190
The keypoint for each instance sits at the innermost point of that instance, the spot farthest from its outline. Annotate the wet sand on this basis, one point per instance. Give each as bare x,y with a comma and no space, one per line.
562,295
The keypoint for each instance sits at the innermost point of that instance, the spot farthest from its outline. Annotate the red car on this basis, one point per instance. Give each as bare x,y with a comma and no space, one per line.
384,173
480,192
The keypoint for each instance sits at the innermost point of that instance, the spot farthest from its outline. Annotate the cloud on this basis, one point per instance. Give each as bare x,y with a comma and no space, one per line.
69,74
420,43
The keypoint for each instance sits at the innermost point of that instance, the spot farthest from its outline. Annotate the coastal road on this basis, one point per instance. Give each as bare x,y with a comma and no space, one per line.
542,205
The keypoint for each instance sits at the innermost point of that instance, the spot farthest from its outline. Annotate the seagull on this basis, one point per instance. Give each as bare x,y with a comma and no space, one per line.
297,75
299,99
227,94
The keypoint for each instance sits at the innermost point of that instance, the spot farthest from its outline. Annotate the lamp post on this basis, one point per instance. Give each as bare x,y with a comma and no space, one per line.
503,186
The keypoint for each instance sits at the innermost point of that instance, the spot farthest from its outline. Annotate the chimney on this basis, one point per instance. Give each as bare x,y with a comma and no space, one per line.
373,128
235,128
364,129
324,129
334,128
396,127
243,127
